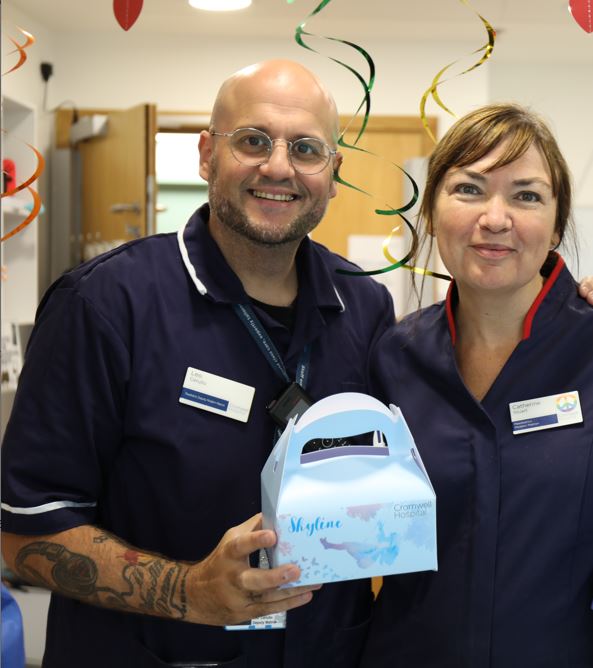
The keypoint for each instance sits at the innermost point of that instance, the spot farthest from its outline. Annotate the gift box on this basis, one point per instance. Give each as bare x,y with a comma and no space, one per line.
347,494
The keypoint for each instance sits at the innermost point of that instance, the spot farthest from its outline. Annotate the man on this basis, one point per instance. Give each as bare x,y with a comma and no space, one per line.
140,425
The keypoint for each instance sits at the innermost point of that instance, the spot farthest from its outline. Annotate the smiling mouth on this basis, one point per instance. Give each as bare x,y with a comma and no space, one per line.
277,197
492,251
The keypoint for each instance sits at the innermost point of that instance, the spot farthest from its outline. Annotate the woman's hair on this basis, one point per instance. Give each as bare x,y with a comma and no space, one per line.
480,132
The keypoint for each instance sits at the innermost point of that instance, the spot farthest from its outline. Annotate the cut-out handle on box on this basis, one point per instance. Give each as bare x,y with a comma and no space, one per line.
342,426
373,443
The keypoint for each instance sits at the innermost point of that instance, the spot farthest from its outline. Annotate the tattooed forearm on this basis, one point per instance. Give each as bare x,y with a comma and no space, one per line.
142,583
74,574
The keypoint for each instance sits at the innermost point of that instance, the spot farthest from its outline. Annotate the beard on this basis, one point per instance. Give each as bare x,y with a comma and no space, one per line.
235,219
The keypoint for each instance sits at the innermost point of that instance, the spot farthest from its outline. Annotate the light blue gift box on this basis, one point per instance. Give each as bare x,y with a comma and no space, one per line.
354,511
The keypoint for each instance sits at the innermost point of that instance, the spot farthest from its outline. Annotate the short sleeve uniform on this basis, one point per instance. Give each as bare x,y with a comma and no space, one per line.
514,512
98,434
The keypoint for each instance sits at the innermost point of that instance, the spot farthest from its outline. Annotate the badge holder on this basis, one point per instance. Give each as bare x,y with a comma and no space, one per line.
293,400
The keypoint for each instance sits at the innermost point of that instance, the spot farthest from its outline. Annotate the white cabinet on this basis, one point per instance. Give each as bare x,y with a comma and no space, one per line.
19,254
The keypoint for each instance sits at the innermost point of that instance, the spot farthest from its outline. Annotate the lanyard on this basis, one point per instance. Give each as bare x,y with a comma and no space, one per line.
268,349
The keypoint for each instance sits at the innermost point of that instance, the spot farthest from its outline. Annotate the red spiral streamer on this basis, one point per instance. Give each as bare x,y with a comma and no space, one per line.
582,13
127,12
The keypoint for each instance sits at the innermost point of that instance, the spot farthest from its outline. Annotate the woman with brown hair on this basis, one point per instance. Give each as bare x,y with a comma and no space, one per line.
496,384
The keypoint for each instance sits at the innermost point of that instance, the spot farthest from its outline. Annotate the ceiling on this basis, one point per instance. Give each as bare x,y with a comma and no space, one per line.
525,27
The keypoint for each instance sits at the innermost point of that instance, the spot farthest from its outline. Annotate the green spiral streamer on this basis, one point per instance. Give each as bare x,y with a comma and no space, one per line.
367,86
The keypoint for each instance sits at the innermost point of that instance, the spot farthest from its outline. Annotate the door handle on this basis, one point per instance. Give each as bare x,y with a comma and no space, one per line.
134,207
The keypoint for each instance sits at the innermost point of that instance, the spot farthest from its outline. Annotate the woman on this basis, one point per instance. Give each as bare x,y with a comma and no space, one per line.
497,387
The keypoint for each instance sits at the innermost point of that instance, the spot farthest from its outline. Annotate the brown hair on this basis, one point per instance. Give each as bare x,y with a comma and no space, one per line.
480,132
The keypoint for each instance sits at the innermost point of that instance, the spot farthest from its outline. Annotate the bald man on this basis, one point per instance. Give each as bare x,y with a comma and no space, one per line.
131,463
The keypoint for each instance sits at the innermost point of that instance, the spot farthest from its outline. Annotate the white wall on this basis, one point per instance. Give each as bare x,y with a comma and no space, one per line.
182,73
563,95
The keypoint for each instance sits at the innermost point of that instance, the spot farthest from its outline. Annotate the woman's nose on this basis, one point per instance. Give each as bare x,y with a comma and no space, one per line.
496,216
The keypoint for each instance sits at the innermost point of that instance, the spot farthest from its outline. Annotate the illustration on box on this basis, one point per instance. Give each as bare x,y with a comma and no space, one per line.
347,494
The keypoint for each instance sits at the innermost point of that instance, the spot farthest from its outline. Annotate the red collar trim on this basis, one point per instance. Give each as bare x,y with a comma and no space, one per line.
449,311
547,286
528,322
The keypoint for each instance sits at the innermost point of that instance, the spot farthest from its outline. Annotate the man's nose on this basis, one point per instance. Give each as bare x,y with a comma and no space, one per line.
279,164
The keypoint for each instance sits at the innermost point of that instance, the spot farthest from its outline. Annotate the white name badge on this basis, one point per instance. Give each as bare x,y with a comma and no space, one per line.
265,623
217,394
557,410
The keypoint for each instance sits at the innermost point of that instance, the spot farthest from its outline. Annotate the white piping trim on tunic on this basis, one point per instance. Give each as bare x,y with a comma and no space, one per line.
46,507
338,296
187,262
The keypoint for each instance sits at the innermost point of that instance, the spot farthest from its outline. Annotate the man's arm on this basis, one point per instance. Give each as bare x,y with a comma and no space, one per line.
96,567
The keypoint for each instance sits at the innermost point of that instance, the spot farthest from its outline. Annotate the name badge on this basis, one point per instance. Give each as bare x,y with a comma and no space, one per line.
557,410
265,623
276,620
217,394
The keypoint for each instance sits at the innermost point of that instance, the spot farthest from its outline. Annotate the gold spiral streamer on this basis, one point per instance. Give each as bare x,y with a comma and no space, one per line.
437,81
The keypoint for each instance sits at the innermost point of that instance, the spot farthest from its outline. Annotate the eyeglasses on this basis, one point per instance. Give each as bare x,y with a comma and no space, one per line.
253,148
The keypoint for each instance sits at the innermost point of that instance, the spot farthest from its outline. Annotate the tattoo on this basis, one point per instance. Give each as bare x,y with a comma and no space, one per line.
101,537
74,574
153,585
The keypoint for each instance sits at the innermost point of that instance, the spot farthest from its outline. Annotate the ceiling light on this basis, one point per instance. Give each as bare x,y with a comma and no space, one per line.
220,5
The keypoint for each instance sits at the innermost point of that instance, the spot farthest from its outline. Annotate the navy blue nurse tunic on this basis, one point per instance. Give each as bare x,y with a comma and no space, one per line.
514,512
98,435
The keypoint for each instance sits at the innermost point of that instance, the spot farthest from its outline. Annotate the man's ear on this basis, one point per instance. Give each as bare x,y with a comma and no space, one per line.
205,146
336,173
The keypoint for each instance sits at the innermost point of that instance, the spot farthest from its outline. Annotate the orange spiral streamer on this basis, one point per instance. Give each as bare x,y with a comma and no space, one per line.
20,49
29,219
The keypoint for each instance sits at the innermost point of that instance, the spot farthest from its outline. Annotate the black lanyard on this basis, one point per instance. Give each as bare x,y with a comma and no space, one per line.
268,349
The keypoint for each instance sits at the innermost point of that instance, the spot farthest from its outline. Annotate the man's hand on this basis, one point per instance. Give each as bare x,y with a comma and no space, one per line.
225,589
98,568
586,289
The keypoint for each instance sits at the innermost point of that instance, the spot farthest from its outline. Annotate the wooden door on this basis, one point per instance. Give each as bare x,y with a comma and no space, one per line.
391,139
117,175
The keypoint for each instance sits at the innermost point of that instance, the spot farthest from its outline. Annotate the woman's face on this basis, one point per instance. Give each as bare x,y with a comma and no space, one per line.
494,229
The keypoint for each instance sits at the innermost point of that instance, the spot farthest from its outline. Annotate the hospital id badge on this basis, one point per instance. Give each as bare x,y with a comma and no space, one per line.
556,410
265,623
216,394
276,620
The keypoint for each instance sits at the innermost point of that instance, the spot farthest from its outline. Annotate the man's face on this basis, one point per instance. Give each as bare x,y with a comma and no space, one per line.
270,204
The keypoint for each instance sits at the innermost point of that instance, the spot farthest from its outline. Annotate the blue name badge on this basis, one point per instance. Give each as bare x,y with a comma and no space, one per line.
556,410
216,394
